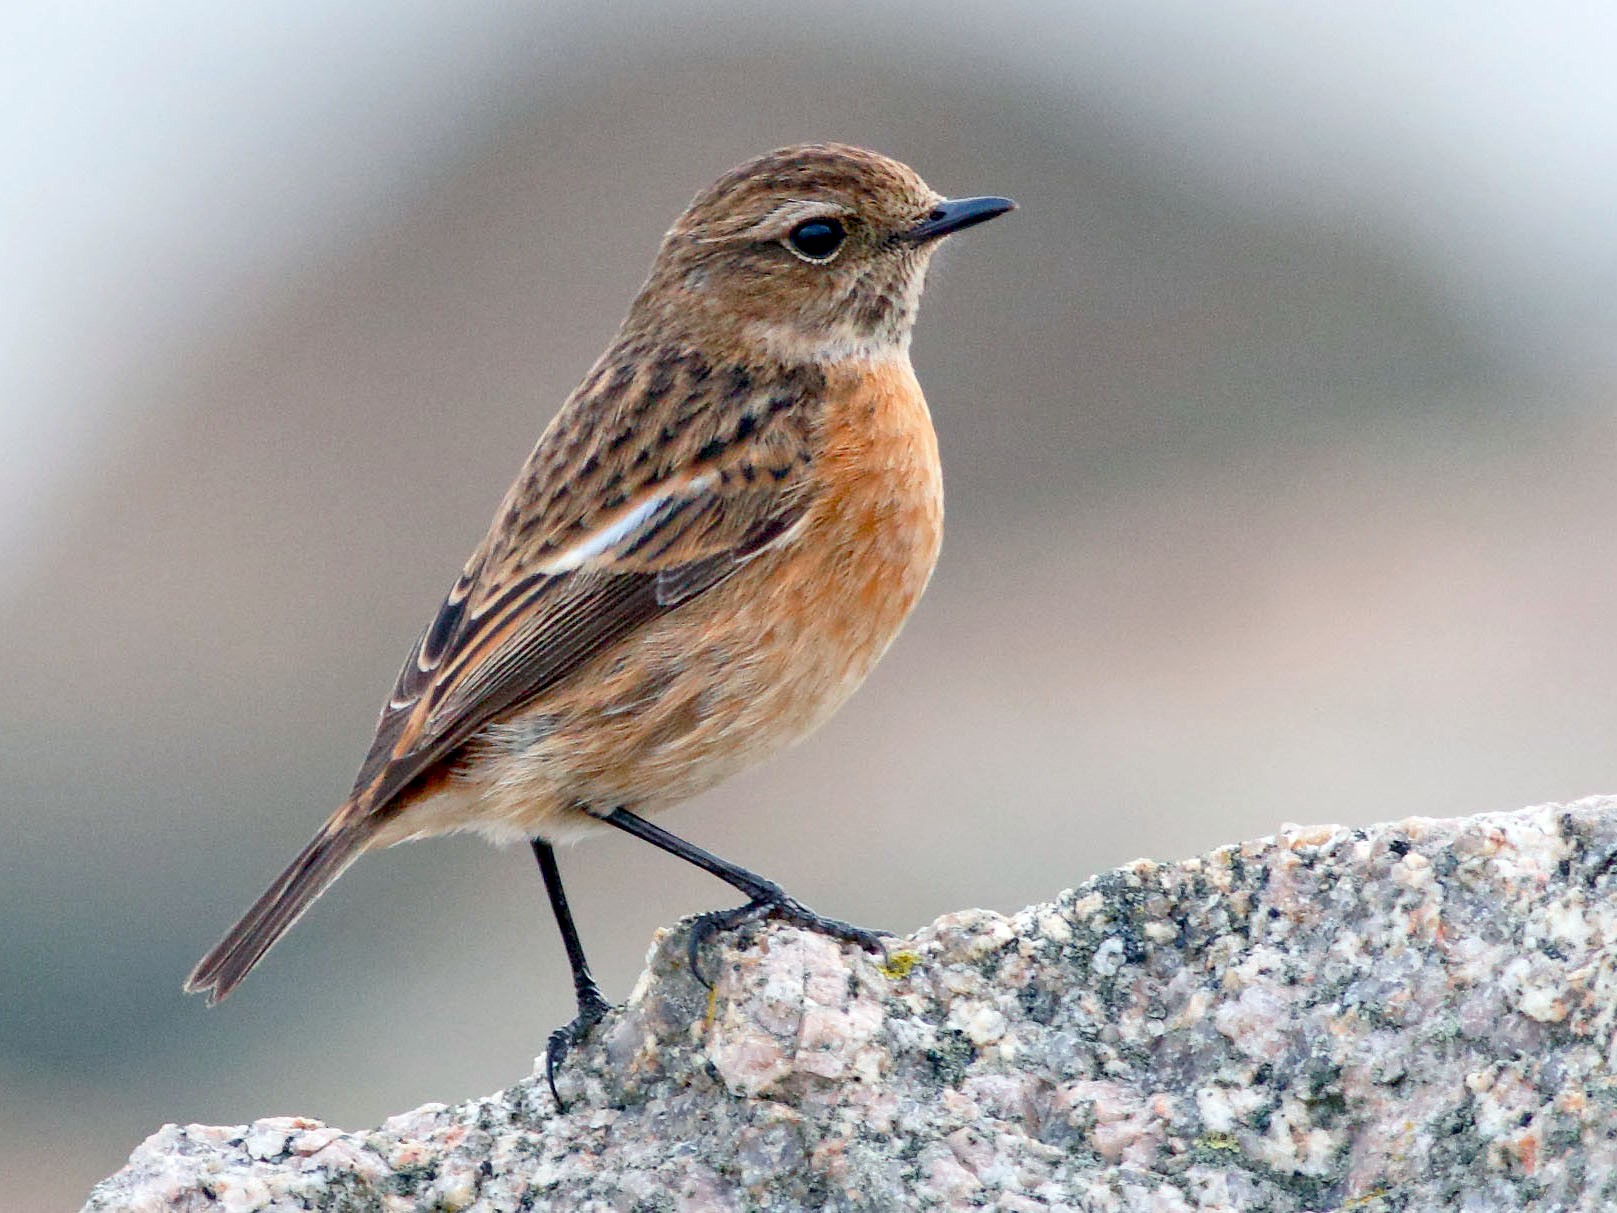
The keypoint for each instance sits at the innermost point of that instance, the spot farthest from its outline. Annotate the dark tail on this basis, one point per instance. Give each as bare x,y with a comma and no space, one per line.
337,845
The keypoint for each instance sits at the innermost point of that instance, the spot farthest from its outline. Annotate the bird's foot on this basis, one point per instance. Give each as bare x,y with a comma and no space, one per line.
774,904
592,1008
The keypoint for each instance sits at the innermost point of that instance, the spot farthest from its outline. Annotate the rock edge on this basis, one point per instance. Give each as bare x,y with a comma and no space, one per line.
1408,1016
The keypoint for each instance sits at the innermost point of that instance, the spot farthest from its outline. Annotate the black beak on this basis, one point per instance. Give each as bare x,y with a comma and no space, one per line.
956,214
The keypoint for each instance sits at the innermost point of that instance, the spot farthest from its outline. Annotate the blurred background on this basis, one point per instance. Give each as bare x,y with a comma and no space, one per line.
1278,430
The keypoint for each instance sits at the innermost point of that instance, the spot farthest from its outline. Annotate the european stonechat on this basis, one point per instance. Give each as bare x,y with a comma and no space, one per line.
709,548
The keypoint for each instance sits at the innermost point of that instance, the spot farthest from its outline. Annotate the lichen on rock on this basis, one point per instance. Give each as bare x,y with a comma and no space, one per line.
1410,1016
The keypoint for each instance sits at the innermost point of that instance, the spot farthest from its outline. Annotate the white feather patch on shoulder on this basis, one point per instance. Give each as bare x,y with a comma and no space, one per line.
591,547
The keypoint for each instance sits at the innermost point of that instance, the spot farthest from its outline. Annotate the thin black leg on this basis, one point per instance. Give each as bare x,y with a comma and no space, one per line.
592,1004
766,899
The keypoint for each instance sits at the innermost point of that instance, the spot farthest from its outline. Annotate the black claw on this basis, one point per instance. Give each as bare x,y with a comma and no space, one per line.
710,924
778,906
592,1008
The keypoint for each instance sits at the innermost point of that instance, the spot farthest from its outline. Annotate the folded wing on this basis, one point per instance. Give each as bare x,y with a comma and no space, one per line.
547,592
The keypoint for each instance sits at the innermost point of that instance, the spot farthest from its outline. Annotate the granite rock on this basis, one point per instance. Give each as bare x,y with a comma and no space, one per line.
1405,1017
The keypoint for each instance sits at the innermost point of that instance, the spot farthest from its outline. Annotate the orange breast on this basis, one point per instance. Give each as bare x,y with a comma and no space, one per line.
878,523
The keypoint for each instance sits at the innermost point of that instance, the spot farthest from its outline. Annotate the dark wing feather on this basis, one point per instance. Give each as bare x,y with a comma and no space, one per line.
592,613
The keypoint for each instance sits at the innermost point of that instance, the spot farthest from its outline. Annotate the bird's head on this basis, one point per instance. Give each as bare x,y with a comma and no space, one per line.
812,252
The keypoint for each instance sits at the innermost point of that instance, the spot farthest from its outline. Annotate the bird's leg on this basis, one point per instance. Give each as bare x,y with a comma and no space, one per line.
592,1004
766,899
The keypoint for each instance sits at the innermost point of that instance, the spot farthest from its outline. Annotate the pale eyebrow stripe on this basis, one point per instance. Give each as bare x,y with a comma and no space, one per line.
783,216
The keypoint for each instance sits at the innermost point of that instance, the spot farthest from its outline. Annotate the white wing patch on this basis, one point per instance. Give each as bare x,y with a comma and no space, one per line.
643,515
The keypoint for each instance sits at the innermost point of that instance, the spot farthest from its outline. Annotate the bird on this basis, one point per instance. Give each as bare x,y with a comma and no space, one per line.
711,545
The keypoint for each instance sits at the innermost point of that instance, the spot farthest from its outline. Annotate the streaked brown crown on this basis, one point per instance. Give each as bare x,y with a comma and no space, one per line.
884,192
725,272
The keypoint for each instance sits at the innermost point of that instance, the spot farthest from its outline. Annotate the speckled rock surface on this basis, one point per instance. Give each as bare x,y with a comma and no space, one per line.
1412,1016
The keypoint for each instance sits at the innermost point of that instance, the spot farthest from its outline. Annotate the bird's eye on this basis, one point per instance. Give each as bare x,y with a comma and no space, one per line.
816,239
